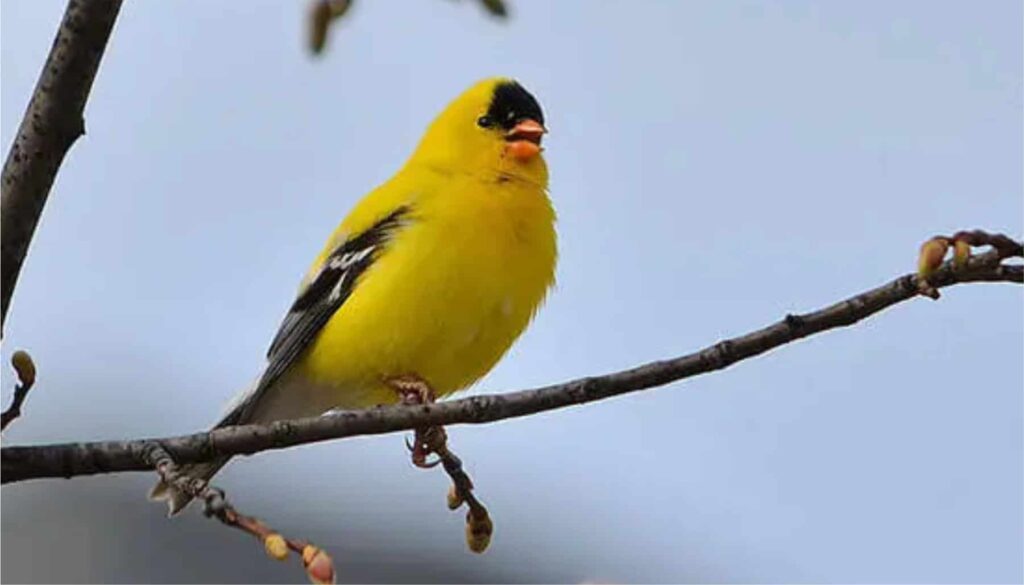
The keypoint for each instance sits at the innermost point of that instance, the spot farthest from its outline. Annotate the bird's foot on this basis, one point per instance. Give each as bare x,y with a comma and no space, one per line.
426,441
412,390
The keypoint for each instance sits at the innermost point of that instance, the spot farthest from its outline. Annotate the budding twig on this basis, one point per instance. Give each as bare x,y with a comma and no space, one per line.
933,252
26,370
479,526
318,564
429,440
434,440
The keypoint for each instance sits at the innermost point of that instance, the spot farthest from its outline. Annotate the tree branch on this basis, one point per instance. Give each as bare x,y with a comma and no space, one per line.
52,123
74,459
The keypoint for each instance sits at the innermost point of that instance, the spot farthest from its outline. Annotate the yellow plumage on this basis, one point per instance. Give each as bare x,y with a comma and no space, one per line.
448,297
449,287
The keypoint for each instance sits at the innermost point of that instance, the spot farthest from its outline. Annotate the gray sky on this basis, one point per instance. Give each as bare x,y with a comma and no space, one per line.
715,165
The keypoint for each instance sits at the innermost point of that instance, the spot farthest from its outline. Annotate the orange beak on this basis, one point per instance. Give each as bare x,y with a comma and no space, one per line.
524,139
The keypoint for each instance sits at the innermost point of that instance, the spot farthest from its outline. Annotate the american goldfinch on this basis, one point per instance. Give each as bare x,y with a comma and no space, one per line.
433,275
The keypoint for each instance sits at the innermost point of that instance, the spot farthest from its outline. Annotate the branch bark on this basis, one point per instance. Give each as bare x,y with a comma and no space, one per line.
52,123
74,459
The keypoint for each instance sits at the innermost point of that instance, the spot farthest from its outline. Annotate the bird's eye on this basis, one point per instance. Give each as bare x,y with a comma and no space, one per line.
484,122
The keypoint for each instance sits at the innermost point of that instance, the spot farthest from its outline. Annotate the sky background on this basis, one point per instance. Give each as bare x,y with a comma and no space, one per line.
715,165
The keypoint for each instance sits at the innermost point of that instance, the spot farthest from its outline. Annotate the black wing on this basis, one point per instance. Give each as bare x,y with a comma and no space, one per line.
325,293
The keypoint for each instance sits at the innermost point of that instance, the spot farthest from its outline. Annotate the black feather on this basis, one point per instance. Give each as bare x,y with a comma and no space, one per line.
512,104
325,293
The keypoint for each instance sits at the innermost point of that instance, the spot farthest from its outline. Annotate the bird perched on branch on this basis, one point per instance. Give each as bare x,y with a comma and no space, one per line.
430,278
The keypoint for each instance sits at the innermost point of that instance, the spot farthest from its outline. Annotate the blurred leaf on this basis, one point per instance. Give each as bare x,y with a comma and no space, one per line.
495,8
321,14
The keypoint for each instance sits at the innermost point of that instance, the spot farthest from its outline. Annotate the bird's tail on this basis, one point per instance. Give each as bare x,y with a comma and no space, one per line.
177,499
238,412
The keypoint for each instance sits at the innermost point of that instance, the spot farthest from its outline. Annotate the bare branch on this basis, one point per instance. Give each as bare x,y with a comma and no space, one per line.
52,123
73,459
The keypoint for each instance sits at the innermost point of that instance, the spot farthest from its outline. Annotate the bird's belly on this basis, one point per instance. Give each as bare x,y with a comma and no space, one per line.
442,309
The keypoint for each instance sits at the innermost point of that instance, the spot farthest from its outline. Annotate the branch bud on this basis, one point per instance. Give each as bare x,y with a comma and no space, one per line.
275,546
25,367
478,530
961,253
932,253
454,498
319,566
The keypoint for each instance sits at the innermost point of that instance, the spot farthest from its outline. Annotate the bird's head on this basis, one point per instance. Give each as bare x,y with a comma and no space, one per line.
493,129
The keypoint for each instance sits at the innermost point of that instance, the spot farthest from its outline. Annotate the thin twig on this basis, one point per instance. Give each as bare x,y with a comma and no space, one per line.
74,459
318,564
26,371
434,440
479,526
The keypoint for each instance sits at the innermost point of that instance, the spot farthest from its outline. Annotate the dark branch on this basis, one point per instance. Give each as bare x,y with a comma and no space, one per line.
52,123
73,459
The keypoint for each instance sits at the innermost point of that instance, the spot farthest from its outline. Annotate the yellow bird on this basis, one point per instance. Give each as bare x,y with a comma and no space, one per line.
431,277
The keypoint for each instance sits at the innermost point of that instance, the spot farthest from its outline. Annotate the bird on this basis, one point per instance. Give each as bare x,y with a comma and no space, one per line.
426,283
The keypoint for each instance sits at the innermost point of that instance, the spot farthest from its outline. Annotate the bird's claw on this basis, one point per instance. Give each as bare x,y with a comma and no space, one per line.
412,390
421,461
420,451
426,442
